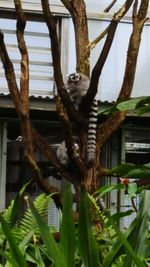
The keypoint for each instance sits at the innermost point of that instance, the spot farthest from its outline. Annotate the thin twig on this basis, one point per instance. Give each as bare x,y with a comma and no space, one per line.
107,9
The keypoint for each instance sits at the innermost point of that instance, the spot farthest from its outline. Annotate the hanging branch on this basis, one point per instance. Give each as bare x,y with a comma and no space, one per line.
139,19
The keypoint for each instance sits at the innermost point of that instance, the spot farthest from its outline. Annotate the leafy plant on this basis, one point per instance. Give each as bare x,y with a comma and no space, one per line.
137,105
131,170
80,244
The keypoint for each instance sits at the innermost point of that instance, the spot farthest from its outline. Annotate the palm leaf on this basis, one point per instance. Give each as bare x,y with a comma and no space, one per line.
52,247
133,241
10,261
16,252
88,247
141,228
11,213
67,234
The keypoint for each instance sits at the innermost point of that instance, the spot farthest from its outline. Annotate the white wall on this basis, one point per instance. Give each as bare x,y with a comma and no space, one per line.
112,74
113,71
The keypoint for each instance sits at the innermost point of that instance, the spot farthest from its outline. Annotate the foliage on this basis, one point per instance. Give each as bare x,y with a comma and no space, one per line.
138,105
24,232
80,244
131,170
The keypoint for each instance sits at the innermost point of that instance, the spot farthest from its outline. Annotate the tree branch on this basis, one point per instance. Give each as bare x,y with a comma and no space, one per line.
75,160
43,183
77,9
120,14
133,49
107,9
9,74
51,24
96,72
107,129
49,153
24,79
20,99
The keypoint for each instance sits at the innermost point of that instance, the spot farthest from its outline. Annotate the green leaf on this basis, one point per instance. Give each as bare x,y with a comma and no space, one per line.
132,189
119,244
107,189
88,247
11,213
129,249
10,261
16,252
107,111
133,239
52,247
26,241
67,233
131,171
129,104
141,228
143,106
40,262
139,105
117,216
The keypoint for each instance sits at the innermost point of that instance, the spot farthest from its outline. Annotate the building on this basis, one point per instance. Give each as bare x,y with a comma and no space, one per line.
132,139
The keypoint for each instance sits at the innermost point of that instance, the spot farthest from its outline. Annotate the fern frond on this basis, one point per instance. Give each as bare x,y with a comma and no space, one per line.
8,212
28,222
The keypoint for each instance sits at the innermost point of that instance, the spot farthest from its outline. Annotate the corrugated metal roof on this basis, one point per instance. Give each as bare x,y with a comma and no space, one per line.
50,97
31,96
36,102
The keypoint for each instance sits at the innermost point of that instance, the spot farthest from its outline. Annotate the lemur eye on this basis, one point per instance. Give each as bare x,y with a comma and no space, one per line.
72,77
77,76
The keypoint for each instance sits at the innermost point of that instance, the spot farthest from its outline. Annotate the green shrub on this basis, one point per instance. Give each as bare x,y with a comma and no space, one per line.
32,243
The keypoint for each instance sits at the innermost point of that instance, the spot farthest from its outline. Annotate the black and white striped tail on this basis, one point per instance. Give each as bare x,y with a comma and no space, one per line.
92,127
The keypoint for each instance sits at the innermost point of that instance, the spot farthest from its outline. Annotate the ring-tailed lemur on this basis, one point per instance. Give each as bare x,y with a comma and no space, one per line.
62,154
77,87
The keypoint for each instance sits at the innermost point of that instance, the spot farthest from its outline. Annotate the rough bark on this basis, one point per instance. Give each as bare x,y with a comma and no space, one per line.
77,9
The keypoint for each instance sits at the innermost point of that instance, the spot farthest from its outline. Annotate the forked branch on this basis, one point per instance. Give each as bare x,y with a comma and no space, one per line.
96,72
51,24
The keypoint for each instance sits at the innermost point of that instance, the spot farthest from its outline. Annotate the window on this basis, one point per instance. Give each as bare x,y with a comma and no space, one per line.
136,150
41,81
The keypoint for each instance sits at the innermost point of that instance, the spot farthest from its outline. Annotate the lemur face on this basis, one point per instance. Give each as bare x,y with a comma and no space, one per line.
74,77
